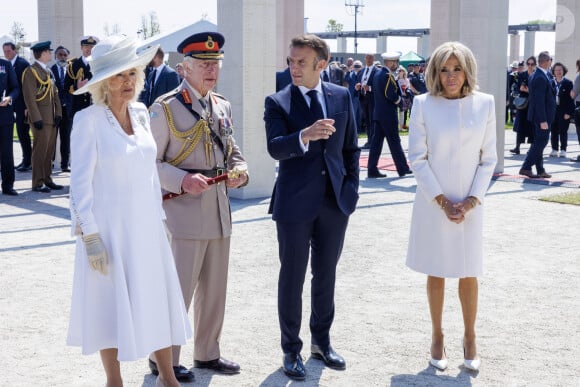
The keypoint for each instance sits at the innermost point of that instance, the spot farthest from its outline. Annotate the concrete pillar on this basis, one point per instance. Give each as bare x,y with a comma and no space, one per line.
568,34
462,21
514,47
423,46
381,44
247,76
341,44
61,21
529,44
290,22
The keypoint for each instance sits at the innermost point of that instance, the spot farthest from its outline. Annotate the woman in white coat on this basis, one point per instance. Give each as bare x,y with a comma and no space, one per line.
126,300
453,155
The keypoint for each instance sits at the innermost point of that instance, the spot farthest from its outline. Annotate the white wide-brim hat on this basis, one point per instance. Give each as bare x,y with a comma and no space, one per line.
113,55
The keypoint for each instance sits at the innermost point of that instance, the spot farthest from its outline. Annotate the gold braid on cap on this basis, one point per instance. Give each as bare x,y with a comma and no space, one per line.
190,137
45,86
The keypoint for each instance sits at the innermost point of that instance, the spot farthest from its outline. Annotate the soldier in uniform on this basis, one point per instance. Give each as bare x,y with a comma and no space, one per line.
387,97
193,128
44,115
78,74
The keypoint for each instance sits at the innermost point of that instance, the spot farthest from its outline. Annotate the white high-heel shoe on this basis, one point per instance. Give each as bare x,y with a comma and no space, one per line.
472,364
440,364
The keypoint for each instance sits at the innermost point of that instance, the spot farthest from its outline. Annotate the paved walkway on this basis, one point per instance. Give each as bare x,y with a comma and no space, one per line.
528,318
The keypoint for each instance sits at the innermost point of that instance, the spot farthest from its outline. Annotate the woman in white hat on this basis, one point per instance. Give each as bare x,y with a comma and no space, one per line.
126,300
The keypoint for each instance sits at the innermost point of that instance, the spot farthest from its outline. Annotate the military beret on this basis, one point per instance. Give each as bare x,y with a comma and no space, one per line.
391,55
41,46
204,45
89,40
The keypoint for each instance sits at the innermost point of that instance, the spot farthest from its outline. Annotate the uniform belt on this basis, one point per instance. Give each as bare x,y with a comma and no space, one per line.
207,172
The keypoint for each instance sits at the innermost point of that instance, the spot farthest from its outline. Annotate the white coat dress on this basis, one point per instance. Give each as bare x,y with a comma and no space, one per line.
452,150
114,190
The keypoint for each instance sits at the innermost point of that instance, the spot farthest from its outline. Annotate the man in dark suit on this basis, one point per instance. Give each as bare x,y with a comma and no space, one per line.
78,74
283,79
22,127
365,95
9,92
59,71
387,97
161,80
333,74
311,130
541,113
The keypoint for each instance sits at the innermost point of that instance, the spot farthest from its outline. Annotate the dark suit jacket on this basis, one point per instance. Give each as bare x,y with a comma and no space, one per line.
386,96
8,87
167,81
19,65
542,99
65,97
301,183
78,102
283,79
566,105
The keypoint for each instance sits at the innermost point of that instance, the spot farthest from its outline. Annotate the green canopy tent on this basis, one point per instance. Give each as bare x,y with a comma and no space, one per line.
410,57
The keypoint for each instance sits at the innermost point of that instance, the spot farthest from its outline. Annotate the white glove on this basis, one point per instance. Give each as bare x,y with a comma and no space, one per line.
96,252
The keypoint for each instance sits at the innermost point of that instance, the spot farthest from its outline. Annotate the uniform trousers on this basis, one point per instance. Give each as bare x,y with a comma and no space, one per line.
202,267
322,239
390,131
7,156
42,151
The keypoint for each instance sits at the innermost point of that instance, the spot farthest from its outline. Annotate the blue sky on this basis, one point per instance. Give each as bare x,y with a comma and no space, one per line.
376,14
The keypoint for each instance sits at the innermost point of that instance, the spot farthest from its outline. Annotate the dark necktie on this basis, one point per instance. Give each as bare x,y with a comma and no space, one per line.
315,108
61,76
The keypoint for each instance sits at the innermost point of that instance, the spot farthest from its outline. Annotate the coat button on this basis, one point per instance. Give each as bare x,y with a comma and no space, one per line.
323,173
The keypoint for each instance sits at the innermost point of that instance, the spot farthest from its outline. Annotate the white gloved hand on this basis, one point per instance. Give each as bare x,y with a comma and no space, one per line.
96,252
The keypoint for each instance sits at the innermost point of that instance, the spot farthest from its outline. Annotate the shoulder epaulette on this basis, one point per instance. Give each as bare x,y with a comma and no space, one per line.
168,95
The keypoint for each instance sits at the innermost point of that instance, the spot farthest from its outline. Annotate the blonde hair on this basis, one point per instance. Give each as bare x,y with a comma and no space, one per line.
100,90
438,59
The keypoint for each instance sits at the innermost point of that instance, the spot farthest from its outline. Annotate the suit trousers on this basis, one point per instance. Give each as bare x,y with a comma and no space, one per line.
367,106
64,129
559,132
535,155
202,267
390,131
23,131
324,238
42,151
7,156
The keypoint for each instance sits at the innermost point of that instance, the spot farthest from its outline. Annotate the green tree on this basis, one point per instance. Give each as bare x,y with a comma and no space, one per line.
18,34
333,26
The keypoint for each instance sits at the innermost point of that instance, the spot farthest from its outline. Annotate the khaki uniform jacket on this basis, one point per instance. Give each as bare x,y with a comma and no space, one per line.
48,106
200,217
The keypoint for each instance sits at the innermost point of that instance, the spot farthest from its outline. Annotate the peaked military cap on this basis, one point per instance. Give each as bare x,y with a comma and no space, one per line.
89,40
391,55
204,45
41,46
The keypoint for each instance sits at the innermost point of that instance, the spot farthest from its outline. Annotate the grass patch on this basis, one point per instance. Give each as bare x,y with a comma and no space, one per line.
567,198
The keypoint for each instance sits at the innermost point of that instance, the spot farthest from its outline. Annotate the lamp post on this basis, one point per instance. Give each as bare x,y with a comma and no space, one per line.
353,9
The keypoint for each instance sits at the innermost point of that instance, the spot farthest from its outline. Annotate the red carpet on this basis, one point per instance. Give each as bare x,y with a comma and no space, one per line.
386,164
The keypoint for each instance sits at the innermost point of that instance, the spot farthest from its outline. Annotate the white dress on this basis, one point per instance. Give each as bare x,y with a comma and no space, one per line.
452,150
114,190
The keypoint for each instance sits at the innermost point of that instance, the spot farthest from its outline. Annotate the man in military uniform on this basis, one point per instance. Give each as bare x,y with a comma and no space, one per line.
44,115
78,74
195,150
387,97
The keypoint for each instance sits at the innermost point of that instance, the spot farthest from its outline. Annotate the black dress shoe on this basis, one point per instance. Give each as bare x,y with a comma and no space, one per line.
527,173
366,146
9,191
515,151
181,373
24,168
375,175
65,169
407,172
51,185
41,188
293,366
544,175
17,166
219,365
330,358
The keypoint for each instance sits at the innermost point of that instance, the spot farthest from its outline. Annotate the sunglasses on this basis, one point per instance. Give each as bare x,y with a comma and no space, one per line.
531,64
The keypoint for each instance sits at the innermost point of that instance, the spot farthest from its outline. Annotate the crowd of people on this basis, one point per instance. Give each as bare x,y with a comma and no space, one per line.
541,103
137,134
